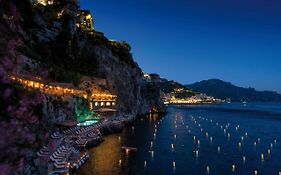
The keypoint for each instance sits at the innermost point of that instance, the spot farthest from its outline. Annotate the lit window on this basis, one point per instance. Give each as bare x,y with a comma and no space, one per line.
108,104
96,104
102,103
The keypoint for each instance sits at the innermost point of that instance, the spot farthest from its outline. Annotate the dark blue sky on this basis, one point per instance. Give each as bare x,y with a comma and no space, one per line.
191,40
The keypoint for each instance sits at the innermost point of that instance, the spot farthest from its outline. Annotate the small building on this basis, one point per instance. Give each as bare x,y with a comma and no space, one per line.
85,20
44,2
98,101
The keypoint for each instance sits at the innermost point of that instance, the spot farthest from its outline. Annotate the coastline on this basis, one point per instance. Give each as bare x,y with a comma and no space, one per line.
74,143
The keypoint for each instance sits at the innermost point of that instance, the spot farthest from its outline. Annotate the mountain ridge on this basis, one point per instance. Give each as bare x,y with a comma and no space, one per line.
226,90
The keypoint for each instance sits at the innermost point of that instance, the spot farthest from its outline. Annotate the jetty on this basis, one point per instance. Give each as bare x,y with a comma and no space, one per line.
129,149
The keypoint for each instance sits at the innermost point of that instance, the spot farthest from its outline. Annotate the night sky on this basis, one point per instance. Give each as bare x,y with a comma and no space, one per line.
192,40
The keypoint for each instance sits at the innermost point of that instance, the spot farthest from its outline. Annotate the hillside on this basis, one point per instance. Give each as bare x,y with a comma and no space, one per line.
224,90
170,86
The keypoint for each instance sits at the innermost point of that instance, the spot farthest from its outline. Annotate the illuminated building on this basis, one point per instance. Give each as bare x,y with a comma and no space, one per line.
45,2
85,20
97,99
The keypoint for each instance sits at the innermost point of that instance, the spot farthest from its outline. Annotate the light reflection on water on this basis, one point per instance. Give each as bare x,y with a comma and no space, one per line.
104,158
166,145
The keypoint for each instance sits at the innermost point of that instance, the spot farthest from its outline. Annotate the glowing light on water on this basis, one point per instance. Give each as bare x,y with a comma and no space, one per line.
244,159
256,172
208,170
152,154
127,151
219,149
262,157
233,168
120,162
145,163
197,153
174,164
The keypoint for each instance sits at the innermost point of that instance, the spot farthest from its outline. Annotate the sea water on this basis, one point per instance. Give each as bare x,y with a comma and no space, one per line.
223,139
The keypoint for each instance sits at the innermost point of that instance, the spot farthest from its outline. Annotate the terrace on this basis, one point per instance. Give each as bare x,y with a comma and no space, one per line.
95,100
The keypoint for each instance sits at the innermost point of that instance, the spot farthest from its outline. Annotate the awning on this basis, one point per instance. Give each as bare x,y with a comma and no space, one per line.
105,110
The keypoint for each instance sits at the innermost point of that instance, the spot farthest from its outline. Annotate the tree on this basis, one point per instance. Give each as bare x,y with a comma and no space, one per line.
19,119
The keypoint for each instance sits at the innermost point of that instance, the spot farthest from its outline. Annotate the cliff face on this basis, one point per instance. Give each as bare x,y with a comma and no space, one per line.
126,80
122,79
67,52
151,98
44,43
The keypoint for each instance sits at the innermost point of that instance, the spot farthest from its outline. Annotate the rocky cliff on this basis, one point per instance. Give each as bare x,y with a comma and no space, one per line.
61,49
55,50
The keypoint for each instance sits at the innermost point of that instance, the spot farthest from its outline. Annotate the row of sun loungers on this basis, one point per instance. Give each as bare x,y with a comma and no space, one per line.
81,161
81,142
92,135
59,158
56,135
66,157
43,152
84,130
70,130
